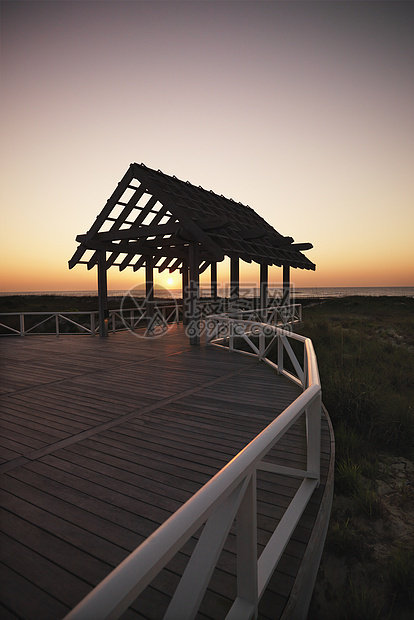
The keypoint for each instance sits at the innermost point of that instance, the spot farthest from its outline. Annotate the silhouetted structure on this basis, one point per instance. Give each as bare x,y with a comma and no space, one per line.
157,221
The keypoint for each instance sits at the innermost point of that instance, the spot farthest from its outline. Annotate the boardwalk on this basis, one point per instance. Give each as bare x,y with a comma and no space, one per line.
102,440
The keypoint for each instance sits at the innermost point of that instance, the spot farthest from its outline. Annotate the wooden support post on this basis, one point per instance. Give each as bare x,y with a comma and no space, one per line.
149,291
234,280
264,275
247,546
102,295
286,285
213,281
185,292
194,285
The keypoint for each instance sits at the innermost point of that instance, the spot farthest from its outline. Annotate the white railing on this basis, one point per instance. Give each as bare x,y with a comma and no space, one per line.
230,495
258,340
272,315
137,317
88,322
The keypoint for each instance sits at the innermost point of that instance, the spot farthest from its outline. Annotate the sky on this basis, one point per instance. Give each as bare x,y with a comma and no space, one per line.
302,110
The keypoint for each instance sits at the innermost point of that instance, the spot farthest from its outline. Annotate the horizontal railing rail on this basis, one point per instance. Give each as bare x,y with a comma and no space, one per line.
229,496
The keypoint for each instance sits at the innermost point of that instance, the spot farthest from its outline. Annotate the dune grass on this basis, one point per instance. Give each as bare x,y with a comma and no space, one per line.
365,351
54,303
366,361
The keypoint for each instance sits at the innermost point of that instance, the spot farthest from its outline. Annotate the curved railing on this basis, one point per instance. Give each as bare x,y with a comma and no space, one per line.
260,340
229,495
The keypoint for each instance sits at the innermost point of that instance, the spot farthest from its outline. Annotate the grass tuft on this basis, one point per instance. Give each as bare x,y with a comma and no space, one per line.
344,539
367,502
347,477
359,602
399,576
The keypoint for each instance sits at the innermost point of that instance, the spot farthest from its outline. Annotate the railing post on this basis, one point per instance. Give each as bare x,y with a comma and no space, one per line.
262,343
113,322
278,316
279,353
57,324
103,294
22,324
247,546
211,328
92,324
231,336
305,372
194,293
313,434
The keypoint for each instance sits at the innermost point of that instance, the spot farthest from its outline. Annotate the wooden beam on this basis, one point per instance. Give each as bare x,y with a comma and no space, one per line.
281,242
140,263
301,246
134,232
204,266
93,260
212,222
234,279
134,248
176,264
129,206
194,285
149,287
111,202
180,213
185,293
254,233
76,258
204,223
110,261
213,281
127,260
166,241
264,277
286,285
164,265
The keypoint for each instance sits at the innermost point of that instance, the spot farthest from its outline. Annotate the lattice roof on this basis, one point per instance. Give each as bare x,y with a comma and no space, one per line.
153,214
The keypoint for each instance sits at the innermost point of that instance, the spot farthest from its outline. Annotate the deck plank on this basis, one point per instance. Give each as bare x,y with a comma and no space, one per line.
104,439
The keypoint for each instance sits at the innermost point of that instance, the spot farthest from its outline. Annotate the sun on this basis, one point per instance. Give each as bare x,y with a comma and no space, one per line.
170,281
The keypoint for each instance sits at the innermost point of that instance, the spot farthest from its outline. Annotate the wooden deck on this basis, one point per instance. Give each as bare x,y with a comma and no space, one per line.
102,440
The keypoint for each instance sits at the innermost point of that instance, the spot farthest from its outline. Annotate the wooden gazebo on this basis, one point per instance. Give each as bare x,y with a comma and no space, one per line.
153,220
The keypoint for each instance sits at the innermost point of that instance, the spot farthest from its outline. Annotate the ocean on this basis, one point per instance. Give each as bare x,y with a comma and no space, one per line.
297,293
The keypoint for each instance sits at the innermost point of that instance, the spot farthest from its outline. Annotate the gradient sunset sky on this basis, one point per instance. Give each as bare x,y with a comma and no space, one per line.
302,110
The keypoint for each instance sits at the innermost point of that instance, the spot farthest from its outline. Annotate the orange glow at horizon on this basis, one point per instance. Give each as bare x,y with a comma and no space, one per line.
40,276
